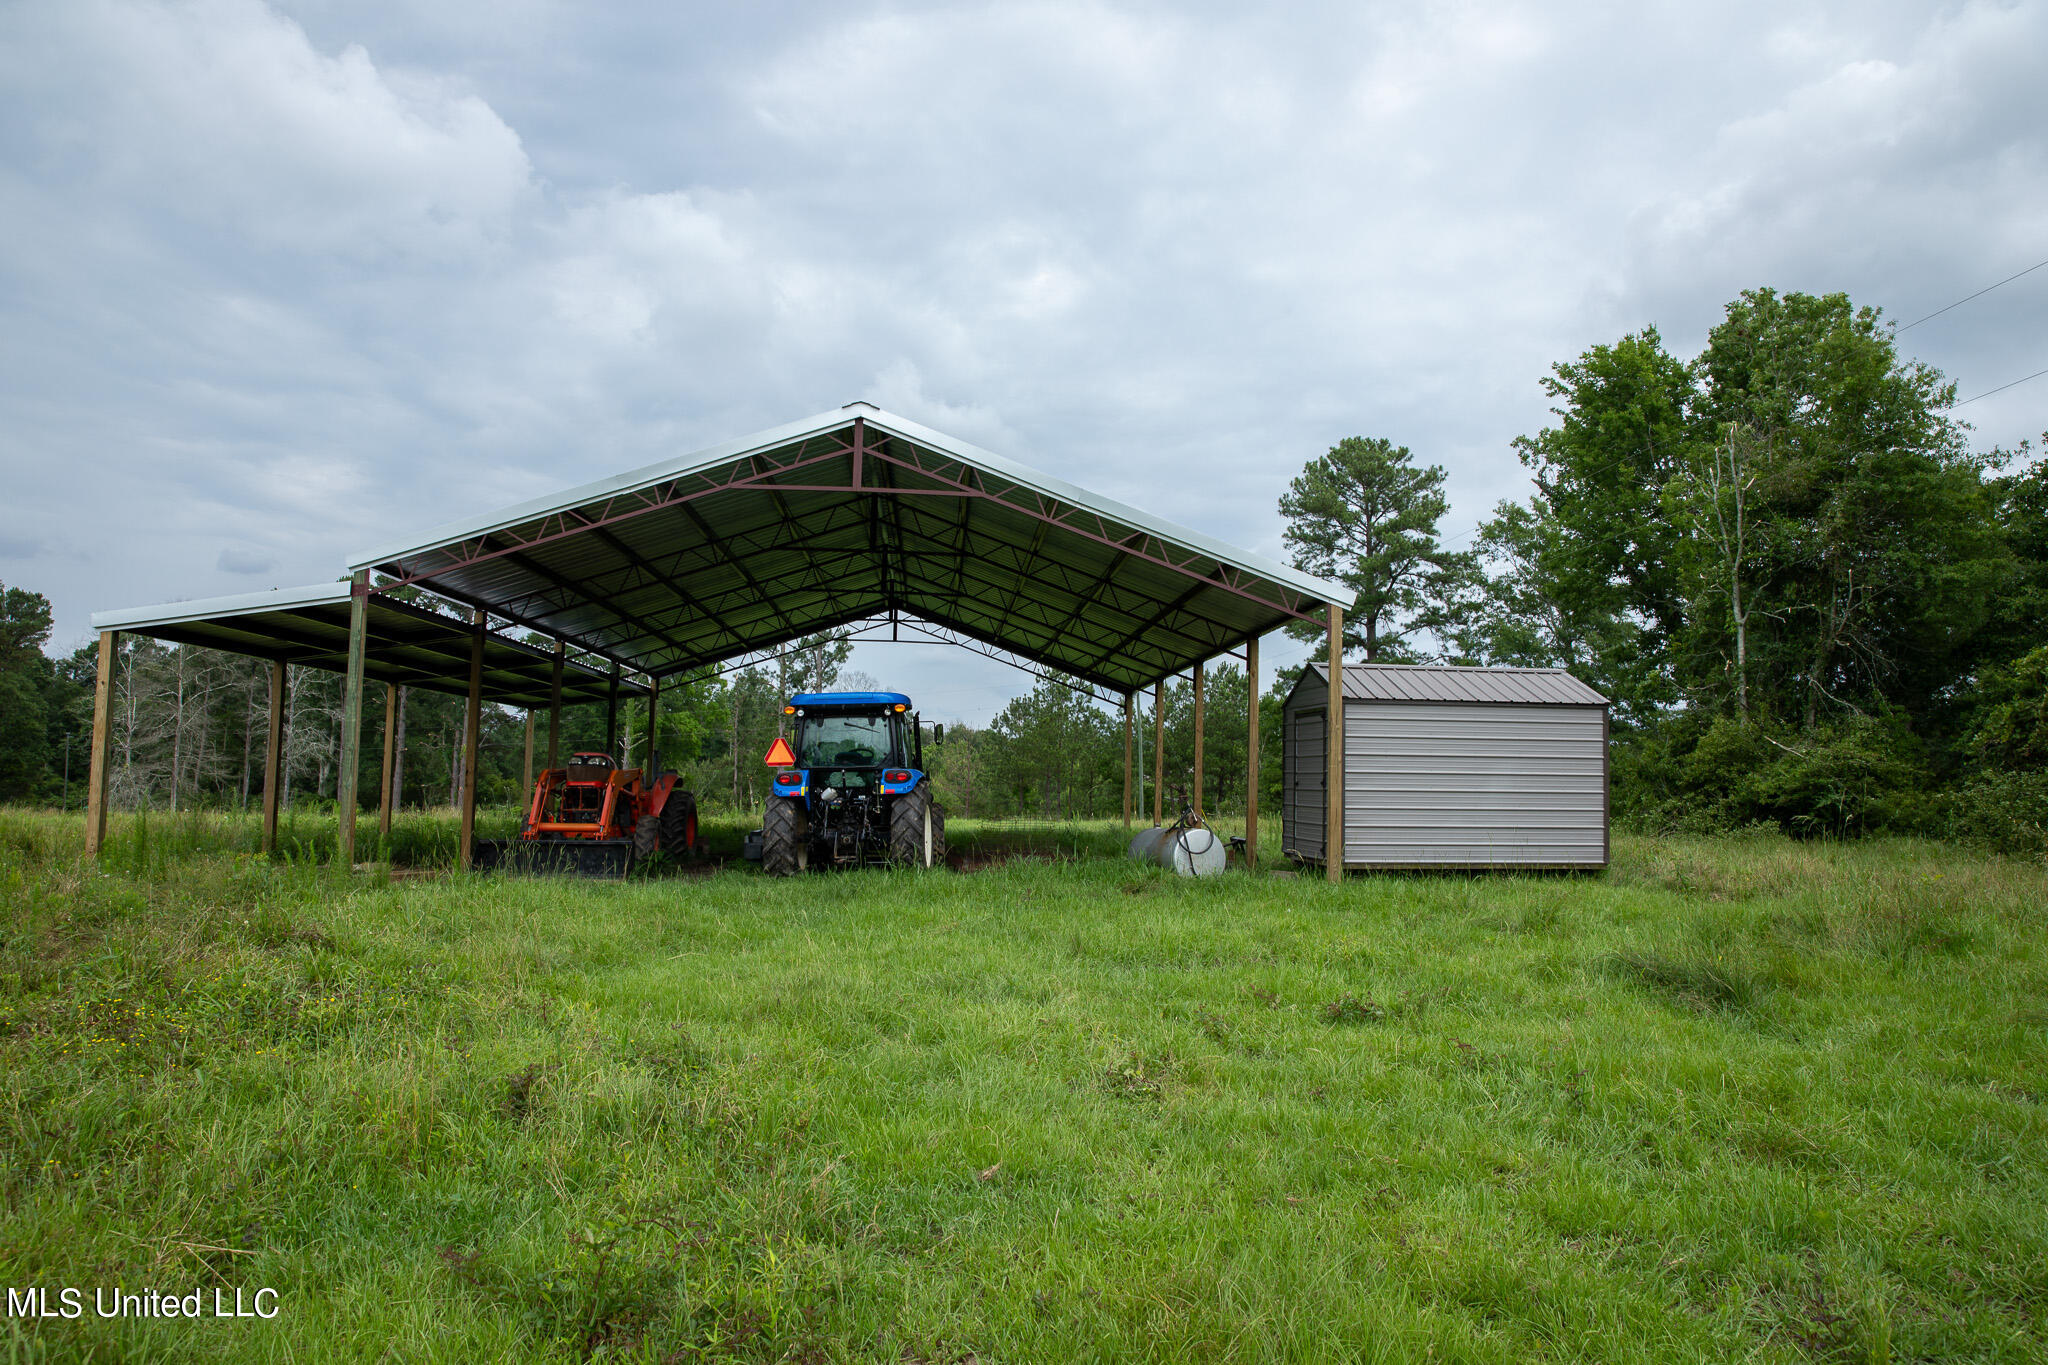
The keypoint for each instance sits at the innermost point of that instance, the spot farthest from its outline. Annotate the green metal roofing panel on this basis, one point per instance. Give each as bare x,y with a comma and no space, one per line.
843,517
405,644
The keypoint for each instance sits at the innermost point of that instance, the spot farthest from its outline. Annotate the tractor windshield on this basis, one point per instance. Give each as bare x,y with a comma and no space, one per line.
841,740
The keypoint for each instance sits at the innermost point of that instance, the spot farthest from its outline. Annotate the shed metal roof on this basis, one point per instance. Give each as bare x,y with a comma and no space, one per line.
846,516
405,644
1449,683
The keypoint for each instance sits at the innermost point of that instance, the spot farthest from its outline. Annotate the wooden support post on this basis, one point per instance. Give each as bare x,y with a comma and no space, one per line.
654,727
526,769
390,759
102,744
611,714
352,721
555,711
1198,741
1130,725
1251,786
273,755
1333,762
1159,753
472,725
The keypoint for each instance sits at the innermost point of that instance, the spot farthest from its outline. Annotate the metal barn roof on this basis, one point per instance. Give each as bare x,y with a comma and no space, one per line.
406,644
848,516
1441,683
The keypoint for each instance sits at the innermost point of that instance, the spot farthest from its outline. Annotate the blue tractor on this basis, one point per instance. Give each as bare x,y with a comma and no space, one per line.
857,794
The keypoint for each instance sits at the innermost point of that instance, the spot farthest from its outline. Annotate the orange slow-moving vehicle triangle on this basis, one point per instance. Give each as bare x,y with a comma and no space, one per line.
780,755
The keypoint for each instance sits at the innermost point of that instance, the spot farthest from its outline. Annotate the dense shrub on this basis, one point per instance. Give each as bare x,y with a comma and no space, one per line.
1854,777
2004,811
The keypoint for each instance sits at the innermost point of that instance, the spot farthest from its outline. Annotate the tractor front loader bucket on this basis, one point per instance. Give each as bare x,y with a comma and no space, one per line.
575,857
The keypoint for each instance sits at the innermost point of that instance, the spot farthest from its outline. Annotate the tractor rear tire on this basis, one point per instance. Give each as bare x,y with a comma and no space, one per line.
917,829
646,838
785,837
679,824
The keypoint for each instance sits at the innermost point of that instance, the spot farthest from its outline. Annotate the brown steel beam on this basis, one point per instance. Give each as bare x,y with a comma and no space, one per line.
1132,637
526,769
1073,583
586,598
273,753
1251,786
1036,590
968,485
390,756
1198,740
636,560
925,609
1159,753
472,726
102,744
739,566
611,715
555,711
1129,724
638,503
351,721
654,729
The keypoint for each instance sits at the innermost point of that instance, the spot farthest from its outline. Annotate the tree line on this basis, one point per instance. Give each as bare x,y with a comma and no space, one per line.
1812,603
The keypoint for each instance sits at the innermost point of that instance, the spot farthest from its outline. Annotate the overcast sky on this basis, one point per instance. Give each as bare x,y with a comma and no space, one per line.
282,282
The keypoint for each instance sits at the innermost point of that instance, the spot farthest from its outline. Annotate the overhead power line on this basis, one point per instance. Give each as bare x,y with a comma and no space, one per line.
1978,295
2003,387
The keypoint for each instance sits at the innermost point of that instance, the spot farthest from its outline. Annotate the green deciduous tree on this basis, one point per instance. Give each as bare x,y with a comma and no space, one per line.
1366,516
2019,603
1050,751
1869,553
1582,575
25,677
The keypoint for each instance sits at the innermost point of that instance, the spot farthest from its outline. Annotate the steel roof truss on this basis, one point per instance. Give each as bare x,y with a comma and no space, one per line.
973,481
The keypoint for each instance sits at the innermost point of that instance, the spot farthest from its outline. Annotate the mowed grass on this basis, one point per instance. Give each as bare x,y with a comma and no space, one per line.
1740,1099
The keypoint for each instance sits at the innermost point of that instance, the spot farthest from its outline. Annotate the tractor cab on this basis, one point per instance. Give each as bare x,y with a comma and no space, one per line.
851,740
850,789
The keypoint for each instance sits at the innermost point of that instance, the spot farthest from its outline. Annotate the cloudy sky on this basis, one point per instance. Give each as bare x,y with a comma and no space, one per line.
279,282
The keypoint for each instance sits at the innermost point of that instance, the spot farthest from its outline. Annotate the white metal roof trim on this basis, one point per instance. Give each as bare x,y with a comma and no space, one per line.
206,608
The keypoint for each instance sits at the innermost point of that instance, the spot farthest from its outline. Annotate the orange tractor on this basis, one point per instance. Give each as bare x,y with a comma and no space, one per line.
595,818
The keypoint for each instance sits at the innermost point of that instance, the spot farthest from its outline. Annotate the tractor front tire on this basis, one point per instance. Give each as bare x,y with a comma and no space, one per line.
679,824
917,829
785,837
646,838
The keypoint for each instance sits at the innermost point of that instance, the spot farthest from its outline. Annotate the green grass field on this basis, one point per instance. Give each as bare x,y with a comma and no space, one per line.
1739,1099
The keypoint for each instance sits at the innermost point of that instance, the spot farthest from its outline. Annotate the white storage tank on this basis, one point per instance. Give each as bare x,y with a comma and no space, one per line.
1196,852
1450,768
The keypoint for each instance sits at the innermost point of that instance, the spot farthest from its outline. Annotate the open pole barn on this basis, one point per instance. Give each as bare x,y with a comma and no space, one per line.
855,521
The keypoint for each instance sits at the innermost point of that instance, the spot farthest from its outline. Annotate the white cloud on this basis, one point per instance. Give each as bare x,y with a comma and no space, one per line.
221,111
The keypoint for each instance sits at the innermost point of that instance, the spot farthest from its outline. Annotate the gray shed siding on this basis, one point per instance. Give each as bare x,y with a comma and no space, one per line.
1452,767
1474,785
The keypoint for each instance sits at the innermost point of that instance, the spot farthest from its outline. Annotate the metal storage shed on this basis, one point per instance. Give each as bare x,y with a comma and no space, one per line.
1449,767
